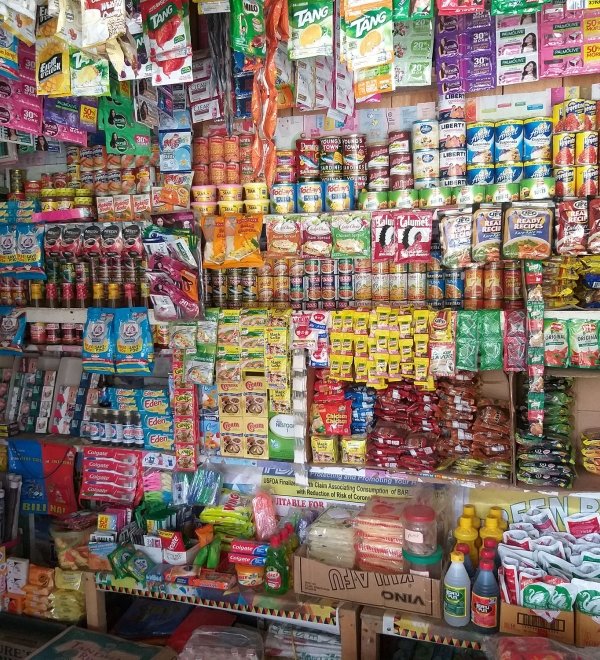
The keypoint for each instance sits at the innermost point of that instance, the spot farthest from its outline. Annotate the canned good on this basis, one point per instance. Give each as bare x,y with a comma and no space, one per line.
478,175
370,200
281,288
417,285
359,181
453,134
464,195
200,151
330,156
232,173
511,280
508,172
401,181
354,149
265,288
400,164
399,142
565,181
563,149
537,138
216,173
473,282
451,106
426,164
508,141
454,284
493,282
420,184
312,266
537,169
345,290
537,188
285,158
231,149
403,199
586,148
425,134
453,182
453,163
480,143
246,140
380,288
362,286
345,266
399,286
310,197
328,287
338,194
378,179
296,289
216,148
283,198
570,116
586,180
296,267
378,155
499,193
308,157
435,285
435,197
590,110
363,266
327,267
201,175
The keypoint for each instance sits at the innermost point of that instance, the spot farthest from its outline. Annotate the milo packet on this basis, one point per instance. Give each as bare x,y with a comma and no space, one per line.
248,27
368,32
311,28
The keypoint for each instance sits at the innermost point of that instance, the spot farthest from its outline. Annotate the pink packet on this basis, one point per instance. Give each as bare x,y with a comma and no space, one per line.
542,519
55,131
384,239
20,117
414,236
581,524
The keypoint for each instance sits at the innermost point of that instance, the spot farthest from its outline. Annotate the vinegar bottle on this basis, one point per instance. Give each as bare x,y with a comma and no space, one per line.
485,597
457,592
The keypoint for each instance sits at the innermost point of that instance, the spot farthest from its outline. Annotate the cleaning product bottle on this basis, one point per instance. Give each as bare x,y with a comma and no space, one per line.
469,511
491,530
457,592
466,533
464,548
286,541
498,513
485,600
276,568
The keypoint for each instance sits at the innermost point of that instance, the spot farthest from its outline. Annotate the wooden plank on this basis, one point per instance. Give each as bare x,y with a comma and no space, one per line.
95,604
370,628
348,618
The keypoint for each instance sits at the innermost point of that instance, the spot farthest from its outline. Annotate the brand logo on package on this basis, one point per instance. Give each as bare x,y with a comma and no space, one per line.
50,67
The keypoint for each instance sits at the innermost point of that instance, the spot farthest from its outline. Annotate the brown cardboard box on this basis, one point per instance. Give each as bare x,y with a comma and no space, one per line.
410,593
587,630
516,620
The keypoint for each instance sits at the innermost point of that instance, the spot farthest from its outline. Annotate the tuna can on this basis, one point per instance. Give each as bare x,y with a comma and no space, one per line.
426,164
399,142
401,164
451,106
454,286
330,157
345,290
378,155
453,134
586,148
480,143
378,179
308,157
359,181
511,280
563,149
354,149
403,199
310,197
285,158
473,282
249,285
508,172
399,285
380,288
401,181
345,266
537,138
435,285
586,180
425,135
453,163
281,288
338,195
421,184
478,175
565,181
508,141
493,282
372,200
464,195
537,169
283,198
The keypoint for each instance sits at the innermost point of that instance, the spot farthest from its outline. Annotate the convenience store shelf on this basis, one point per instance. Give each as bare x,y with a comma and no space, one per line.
53,315
314,613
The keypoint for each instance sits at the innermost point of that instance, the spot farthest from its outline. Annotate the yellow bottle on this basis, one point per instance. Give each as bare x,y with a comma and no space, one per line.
490,530
498,513
466,533
469,511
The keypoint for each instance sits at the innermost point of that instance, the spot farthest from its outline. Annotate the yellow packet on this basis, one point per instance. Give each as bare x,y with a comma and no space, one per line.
361,345
373,378
393,319
393,343
46,25
421,345
394,368
372,319
407,369
347,320
381,362
335,341
335,366
406,350
373,80
242,241
421,369
347,344
381,337
421,320
405,326
361,323
52,71
213,228
336,321
382,317
346,363
361,369
372,346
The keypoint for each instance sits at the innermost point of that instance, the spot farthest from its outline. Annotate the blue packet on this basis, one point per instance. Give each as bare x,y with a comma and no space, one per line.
12,330
98,346
29,255
134,347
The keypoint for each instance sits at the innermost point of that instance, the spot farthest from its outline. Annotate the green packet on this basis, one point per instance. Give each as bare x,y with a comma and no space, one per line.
502,7
491,347
351,235
467,341
311,28
248,27
118,560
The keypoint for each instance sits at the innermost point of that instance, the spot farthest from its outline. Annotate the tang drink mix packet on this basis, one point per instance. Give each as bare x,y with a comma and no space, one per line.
311,28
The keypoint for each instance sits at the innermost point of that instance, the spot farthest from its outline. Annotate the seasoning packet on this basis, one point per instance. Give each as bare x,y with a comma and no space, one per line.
556,343
527,231
414,229
490,339
98,345
584,349
384,235
311,28
283,235
351,236
455,236
487,234
134,347
515,340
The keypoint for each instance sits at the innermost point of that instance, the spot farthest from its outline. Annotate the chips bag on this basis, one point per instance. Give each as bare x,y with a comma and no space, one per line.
583,343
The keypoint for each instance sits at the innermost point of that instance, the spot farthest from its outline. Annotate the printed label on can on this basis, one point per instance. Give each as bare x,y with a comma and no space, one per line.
453,134
478,175
283,198
310,197
508,141
480,143
508,173
537,138
426,164
425,135
338,194
453,163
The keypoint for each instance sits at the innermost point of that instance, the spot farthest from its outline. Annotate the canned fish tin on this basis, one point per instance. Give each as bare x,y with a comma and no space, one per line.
310,197
378,155
399,142
330,156
464,195
435,285
499,193
563,149
359,181
451,106
354,149
508,141
401,164
283,198
453,163
478,175
435,197
453,134
537,188
537,169
378,179
537,138
338,195
480,143
372,200
425,134
420,184
454,285
586,148
296,289
586,180
565,181
426,164
403,199
508,172
308,157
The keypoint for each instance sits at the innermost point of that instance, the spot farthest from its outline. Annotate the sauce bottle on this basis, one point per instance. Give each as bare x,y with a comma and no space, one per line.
464,548
498,513
466,533
490,530
485,597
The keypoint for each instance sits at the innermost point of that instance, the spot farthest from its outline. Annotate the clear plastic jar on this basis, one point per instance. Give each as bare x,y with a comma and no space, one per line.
429,566
420,529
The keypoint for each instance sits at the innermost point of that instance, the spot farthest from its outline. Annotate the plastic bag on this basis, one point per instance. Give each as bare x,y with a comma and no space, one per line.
214,642
534,648
98,345
12,330
134,347
265,518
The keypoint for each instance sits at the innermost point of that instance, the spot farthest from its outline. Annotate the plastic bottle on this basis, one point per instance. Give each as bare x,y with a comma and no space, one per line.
276,568
469,511
457,592
490,544
490,530
485,597
466,533
464,548
498,513
486,554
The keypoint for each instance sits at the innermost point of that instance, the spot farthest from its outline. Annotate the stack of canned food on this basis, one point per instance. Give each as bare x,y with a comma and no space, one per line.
222,159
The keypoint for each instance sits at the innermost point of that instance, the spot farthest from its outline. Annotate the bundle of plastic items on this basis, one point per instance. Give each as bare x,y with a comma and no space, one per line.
363,405
544,569
68,598
231,517
286,641
457,407
406,431
379,535
223,643
534,648
547,460
560,278
590,450
588,291
331,538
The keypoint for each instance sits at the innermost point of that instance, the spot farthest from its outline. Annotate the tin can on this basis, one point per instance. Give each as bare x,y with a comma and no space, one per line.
508,172
246,140
345,288
359,181
399,142
265,288
312,266
201,175
539,169
563,149
591,120
586,180
417,283
59,179
338,194
200,151
537,138
508,141
231,149
280,267
454,286
380,268
327,266
72,154
380,288
425,134
401,164
399,285
354,149
216,149
369,200
285,158
232,173
586,148
499,193
285,176
453,182
378,179
234,283
403,199
469,195
435,285
32,189
401,181
362,285
451,106
363,266
328,288
308,157
283,198
572,116
565,181
421,184
99,156
249,284
246,173
426,164
453,163
378,155
330,157
480,143
435,197
345,266
216,173
473,282
453,134
493,282
296,289
478,175
512,281
281,288
310,197
296,267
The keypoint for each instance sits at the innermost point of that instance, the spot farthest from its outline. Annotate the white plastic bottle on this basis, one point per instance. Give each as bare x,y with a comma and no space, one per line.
457,592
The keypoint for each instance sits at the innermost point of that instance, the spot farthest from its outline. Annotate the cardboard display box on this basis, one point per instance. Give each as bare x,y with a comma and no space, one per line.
409,593
587,630
516,620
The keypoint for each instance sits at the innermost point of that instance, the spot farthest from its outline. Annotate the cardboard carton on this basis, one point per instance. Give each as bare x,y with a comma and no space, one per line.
409,593
516,620
587,630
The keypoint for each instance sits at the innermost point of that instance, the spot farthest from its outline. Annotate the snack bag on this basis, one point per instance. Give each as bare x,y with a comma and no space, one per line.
583,343
52,70
134,348
311,28
556,343
101,21
98,346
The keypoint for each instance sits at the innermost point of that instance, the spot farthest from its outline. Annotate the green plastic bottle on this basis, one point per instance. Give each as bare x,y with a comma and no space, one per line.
276,568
